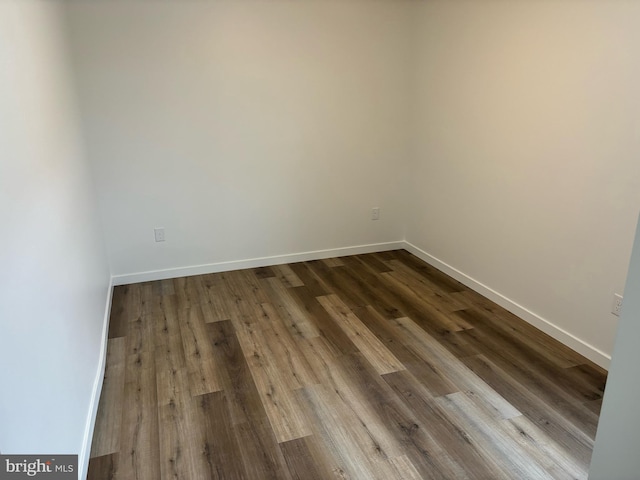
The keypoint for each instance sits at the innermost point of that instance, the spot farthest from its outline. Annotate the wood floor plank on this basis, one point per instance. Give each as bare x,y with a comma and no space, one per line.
207,291
522,330
417,277
151,298
397,302
215,307
264,272
540,379
179,431
428,348
367,283
243,292
372,262
457,455
521,446
303,464
438,303
139,454
517,335
546,452
326,326
165,323
315,286
384,256
282,409
219,447
351,443
291,312
287,357
234,297
140,335
486,432
352,385
189,291
427,373
103,467
250,286
172,376
126,304
577,442
244,399
589,379
332,262
373,349
203,372
373,366
405,469
287,276
335,281
407,289
443,282
109,416
260,455
594,405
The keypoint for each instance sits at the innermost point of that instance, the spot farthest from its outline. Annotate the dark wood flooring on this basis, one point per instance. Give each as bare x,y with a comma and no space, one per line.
365,367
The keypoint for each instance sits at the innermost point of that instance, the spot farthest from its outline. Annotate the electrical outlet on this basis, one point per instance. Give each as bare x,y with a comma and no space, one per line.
375,213
616,307
159,234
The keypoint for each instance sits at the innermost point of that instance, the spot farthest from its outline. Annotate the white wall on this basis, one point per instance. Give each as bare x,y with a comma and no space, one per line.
526,173
245,129
615,454
257,129
54,272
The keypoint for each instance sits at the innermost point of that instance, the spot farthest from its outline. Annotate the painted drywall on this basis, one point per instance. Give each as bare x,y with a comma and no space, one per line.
525,159
245,129
498,138
615,454
54,274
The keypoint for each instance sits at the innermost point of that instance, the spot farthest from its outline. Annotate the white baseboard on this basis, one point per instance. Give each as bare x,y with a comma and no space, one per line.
592,353
254,263
83,459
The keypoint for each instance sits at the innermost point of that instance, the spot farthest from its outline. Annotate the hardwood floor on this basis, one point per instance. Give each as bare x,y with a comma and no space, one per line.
365,367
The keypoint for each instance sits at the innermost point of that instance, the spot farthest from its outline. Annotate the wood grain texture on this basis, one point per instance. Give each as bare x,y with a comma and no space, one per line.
109,420
291,312
105,467
203,374
287,276
139,454
371,347
372,366
273,383
260,455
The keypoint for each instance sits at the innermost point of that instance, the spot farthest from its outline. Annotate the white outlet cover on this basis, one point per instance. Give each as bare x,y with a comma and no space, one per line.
158,234
616,307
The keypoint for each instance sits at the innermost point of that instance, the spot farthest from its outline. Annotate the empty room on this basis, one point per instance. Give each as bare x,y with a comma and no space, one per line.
313,239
